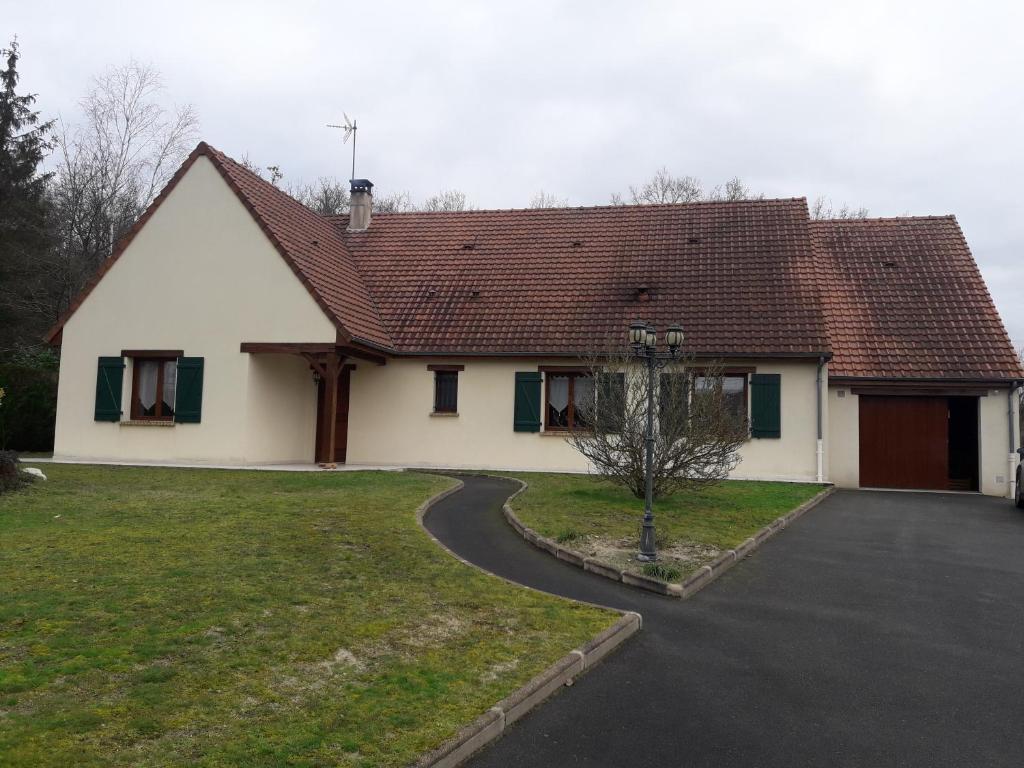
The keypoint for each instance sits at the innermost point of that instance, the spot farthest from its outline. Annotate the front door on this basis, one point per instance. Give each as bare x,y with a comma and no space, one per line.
341,421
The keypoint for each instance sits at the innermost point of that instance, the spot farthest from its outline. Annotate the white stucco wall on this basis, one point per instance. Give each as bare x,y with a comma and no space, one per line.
281,415
994,440
200,276
793,456
390,422
844,437
995,443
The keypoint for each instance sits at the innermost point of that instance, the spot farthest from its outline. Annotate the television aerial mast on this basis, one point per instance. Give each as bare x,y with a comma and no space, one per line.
350,129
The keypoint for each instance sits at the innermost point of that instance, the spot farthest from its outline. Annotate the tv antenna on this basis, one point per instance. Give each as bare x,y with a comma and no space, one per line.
350,129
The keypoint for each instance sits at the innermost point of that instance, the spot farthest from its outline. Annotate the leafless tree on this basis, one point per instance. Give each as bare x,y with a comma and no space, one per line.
252,166
697,434
822,208
330,197
108,170
665,187
395,202
545,200
447,200
326,196
402,202
734,189
130,144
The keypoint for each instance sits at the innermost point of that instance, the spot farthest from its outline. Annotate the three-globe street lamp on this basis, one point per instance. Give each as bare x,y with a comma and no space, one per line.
643,337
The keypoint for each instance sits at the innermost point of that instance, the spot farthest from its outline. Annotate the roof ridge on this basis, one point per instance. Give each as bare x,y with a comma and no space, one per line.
875,219
610,206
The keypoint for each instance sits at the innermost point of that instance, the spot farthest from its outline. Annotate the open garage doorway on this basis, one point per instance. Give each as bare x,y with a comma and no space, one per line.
918,442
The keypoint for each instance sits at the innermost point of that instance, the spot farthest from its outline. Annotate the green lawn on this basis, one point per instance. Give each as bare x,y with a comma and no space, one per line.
204,617
602,520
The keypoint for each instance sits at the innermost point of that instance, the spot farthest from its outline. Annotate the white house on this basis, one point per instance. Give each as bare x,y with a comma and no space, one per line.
235,326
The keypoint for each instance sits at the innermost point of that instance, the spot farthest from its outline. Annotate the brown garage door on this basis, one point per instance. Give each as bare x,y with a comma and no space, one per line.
904,442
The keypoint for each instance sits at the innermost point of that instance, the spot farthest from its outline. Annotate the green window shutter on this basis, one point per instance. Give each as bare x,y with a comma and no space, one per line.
527,410
766,405
109,379
188,396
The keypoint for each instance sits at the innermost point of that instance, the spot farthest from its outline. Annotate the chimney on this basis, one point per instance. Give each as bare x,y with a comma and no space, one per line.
360,205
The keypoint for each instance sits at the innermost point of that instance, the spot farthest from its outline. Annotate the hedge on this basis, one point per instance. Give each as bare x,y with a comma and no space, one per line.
29,407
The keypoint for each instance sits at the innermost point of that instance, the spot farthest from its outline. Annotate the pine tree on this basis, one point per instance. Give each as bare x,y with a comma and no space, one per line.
24,235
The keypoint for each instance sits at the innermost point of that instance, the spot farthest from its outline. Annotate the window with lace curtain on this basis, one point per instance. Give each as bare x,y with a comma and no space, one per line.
566,392
154,380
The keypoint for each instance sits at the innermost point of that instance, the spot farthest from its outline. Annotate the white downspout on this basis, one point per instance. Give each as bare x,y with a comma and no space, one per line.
819,450
1012,419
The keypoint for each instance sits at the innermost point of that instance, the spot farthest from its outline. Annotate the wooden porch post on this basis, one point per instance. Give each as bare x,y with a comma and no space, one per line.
331,407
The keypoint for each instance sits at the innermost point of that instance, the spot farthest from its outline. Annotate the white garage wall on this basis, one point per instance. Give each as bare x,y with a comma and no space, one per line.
995,443
844,437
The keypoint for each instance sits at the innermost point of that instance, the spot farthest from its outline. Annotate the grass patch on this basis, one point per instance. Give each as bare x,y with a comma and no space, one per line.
661,571
692,527
567,535
168,617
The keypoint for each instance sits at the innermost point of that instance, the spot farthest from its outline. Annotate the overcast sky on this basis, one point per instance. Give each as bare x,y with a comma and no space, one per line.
905,108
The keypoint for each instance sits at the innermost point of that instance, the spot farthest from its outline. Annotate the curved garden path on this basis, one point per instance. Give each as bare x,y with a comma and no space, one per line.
880,629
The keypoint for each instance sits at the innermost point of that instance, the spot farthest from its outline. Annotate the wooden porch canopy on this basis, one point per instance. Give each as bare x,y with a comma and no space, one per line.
328,360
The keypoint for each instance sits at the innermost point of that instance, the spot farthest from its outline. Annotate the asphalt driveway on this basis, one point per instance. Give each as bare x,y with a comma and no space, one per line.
881,629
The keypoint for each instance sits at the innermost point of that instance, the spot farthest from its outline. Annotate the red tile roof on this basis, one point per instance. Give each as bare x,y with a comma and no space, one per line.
891,298
738,276
904,299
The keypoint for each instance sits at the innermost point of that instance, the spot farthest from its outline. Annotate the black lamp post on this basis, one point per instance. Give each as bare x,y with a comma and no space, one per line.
644,339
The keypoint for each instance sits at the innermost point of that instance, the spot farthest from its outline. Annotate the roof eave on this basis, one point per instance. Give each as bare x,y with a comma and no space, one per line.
998,381
827,355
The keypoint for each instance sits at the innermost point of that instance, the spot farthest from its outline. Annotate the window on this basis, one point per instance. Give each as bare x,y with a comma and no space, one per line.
568,395
734,390
446,388
446,392
154,381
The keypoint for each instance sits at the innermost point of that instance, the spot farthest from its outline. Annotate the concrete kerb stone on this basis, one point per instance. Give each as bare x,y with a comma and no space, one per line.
697,580
652,585
723,561
469,739
602,569
562,672
570,556
604,643
490,726
745,548
761,535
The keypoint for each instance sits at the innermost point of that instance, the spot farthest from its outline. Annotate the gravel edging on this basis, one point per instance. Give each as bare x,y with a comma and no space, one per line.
492,724
693,584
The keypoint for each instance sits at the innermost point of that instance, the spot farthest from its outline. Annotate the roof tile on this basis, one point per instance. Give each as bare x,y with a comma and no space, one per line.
904,299
739,276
